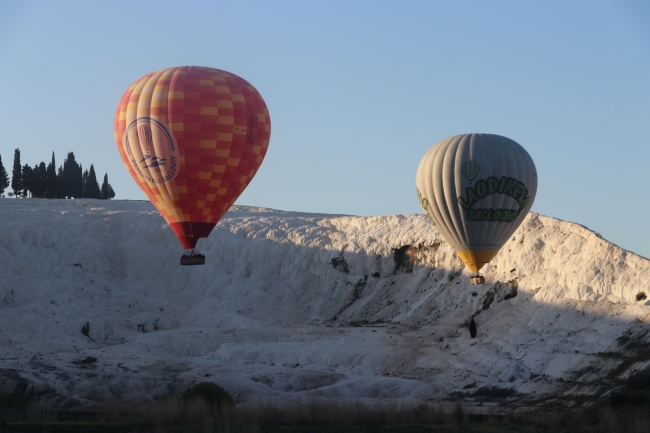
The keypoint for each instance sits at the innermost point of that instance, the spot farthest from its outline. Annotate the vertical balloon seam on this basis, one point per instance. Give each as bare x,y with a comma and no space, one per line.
494,142
486,202
441,188
131,114
532,193
533,176
511,167
463,146
209,212
473,154
522,161
159,190
170,186
187,83
182,84
442,191
146,100
177,81
429,184
218,209
210,206
482,251
451,200
421,189
205,78
469,254
513,149
121,108
462,154
234,84
522,176
265,136
231,82
488,244
166,198
480,227
532,181
427,188
498,201
197,77
125,109
140,107
248,93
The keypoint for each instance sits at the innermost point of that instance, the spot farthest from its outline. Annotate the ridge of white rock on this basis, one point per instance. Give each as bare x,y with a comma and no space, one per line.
94,306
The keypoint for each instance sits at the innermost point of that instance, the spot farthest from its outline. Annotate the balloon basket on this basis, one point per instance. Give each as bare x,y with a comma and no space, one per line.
192,258
476,280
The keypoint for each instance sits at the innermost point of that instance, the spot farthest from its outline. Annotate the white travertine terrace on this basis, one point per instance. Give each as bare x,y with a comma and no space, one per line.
295,305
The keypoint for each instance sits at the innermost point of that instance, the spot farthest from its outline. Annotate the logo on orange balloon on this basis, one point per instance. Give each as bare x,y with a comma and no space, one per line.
155,161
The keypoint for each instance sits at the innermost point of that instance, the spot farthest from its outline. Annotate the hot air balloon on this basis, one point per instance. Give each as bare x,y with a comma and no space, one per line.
476,189
192,138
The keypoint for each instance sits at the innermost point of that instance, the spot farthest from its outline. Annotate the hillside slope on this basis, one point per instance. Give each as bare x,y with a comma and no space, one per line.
94,306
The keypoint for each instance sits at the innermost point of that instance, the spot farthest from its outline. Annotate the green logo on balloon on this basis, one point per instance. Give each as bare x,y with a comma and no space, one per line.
425,205
471,170
506,185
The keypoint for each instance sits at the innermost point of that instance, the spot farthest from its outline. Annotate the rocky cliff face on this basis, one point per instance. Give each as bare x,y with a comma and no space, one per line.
93,305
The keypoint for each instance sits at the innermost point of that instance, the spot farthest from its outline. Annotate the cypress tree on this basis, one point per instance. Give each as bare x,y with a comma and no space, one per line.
50,190
72,178
16,181
92,186
27,180
66,178
107,192
60,193
84,183
78,182
4,178
40,180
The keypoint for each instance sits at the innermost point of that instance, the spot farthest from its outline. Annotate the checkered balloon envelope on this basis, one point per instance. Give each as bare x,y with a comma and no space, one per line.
192,138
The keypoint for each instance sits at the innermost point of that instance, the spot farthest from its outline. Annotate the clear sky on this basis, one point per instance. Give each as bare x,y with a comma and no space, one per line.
358,91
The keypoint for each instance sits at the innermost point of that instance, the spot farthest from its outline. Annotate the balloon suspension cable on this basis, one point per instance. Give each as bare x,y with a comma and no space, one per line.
192,257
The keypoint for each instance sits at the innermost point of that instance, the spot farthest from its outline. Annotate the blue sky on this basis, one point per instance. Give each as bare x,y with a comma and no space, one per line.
357,92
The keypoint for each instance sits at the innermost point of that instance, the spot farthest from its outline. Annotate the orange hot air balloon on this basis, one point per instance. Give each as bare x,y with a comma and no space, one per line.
192,138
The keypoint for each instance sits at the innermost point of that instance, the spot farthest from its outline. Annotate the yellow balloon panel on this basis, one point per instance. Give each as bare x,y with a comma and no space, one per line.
476,259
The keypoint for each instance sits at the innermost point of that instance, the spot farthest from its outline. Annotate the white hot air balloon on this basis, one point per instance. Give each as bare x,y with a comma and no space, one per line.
476,189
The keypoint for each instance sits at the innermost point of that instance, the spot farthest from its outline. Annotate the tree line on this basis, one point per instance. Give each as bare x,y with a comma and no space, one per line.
45,181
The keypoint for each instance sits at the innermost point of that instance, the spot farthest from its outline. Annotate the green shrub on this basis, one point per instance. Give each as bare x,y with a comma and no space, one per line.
209,392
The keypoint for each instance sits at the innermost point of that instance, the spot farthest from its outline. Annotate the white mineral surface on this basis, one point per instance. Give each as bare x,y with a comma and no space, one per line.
95,306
